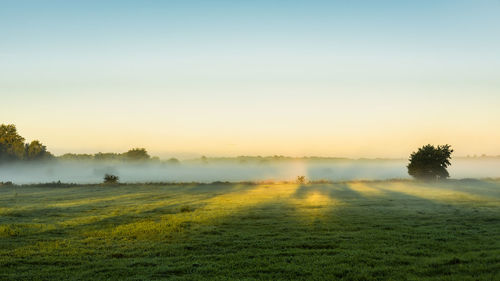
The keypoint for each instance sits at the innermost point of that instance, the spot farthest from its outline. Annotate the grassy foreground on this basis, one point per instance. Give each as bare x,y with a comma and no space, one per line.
389,230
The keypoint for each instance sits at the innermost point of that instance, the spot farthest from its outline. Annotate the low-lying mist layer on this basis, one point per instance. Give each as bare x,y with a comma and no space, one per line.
344,169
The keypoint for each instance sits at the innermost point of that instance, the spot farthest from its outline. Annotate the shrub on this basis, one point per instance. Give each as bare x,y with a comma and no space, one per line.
110,179
301,179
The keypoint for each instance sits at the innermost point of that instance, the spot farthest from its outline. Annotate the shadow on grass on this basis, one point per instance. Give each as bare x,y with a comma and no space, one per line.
393,235
419,238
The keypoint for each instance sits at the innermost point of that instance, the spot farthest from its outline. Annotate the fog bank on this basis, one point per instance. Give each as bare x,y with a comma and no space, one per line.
335,170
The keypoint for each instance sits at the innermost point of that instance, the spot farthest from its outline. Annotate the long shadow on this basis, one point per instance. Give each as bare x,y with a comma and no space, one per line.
203,192
340,191
386,242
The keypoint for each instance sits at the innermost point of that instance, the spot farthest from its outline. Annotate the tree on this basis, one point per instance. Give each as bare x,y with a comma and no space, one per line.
137,154
430,162
36,151
11,143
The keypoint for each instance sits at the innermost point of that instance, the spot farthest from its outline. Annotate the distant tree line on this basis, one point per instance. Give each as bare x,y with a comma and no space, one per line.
13,149
281,159
135,154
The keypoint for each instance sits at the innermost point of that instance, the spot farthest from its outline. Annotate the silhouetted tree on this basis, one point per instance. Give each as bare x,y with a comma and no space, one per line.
430,163
137,154
36,151
11,143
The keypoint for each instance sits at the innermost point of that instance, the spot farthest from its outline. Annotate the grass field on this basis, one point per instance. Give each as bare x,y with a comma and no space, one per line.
387,230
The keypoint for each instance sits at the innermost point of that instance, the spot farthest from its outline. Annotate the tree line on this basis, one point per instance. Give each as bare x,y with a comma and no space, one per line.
13,148
135,154
429,162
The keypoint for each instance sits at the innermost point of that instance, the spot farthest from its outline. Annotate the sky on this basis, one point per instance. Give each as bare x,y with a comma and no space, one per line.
226,78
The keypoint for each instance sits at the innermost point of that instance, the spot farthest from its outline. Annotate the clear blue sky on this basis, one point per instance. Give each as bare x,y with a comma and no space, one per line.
344,78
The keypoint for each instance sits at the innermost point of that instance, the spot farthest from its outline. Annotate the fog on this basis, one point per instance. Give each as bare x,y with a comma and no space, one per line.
335,170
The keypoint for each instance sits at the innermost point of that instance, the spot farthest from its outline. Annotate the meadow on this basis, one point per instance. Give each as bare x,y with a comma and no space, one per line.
354,230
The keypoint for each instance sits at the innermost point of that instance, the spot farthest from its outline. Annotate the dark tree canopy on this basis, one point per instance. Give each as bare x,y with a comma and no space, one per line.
137,154
13,148
11,143
430,162
36,151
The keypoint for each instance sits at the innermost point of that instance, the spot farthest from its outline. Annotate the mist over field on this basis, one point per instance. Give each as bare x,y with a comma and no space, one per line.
192,171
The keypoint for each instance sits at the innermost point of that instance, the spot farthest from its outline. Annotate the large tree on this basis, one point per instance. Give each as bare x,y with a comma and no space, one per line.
430,162
11,143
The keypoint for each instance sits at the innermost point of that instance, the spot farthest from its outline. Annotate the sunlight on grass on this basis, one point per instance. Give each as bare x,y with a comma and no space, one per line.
224,205
107,215
434,192
314,205
365,189
87,201
202,228
258,195
316,199
214,210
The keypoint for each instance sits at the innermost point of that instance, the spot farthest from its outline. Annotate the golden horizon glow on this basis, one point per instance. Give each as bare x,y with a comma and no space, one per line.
324,78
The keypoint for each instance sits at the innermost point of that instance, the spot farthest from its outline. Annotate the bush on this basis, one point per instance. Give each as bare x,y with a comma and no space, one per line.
430,163
110,179
186,209
301,179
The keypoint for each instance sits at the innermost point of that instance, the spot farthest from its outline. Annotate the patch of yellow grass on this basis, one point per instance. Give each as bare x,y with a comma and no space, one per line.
365,189
434,192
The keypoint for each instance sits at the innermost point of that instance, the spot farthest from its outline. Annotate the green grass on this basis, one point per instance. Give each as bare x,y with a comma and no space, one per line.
387,230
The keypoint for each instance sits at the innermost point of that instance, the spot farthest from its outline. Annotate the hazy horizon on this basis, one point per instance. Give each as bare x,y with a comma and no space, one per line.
182,155
212,171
